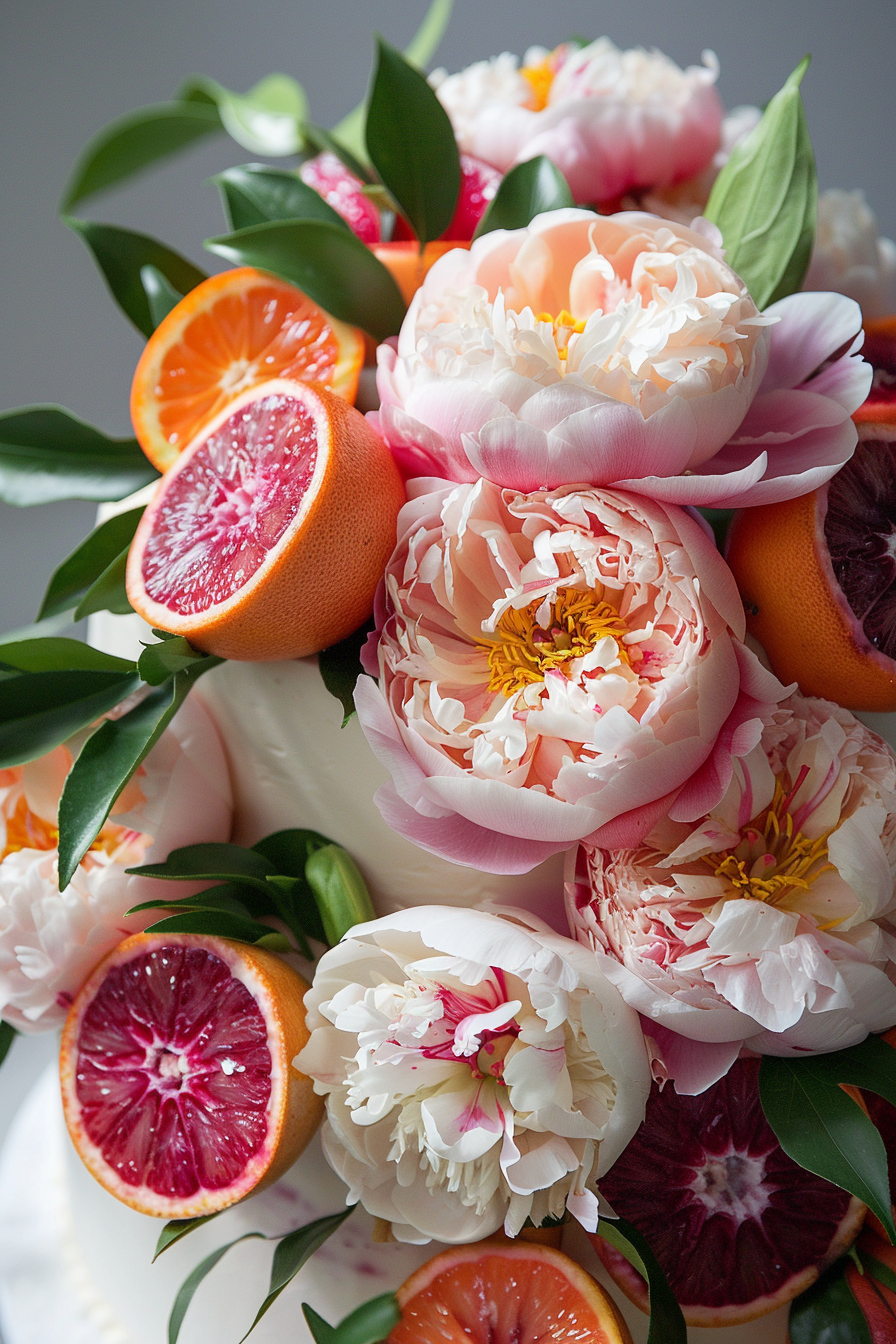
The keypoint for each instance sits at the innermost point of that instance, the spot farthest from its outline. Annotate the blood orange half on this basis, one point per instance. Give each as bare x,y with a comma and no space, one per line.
233,332
269,535
177,1082
738,1228
879,348
492,1293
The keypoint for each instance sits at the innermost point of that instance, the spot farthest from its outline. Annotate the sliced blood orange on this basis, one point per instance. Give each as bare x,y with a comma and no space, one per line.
818,579
879,348
177,1082
493,1293
269,535
737,1226
230,333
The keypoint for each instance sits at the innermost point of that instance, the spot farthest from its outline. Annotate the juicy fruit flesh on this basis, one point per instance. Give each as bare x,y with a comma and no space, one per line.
860,530
230,504
173,1072
496,1300
879,349
245,338
727,1213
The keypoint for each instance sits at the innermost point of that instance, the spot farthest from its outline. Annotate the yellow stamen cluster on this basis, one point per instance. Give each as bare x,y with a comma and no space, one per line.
523,652
540,78
26,830
565,325
772,860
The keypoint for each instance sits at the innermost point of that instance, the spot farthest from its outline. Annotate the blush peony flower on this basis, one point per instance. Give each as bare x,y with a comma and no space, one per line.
552,667
620,351
850,255
612,121
477,1072
767,923
50,940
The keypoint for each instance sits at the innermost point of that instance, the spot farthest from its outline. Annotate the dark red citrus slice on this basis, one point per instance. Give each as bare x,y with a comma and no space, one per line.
177,1078
879,348
860,530
738,1228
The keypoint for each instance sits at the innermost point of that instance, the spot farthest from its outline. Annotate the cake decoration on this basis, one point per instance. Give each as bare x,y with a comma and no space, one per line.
458,434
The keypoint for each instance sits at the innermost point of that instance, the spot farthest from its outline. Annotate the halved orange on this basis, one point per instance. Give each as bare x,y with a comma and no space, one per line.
230,333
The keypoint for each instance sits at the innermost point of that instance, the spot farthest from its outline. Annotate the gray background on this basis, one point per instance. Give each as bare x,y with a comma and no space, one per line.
71,66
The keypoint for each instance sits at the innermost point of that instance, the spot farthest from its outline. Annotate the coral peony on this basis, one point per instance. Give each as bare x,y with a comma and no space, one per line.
477,1072
554,666
766,923
50,940
850,255
612,121
621,351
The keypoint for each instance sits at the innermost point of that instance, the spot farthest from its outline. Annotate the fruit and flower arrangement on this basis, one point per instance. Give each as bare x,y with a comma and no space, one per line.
548,407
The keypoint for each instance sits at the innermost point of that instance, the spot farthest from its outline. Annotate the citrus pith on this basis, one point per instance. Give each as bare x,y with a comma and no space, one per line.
177,1083
268,537
233,332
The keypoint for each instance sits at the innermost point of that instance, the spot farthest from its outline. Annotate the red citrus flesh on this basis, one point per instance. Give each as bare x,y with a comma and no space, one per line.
514,1294
344,192
478,184
176,1072
879,348
860,530
737,1226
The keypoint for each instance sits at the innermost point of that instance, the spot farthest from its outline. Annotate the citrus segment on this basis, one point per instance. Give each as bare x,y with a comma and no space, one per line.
737,1226
233,332
496,1294
268,537
177,1083
879,349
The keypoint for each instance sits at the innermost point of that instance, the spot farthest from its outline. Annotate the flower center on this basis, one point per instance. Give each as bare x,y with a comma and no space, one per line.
489,1062
547,636
565,326
773,859
25,830
540,78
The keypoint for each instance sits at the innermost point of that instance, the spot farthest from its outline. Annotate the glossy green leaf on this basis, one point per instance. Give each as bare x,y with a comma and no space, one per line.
827,1312
177,1229
212,862
419,52
368,1324
161,296
47,454
328,263
819,1126
121,256
292,1253
60,655
172,654
188,1288
135,142
269,119
325,142
288,851
254,194
79,571
340,891
765,199
878,1270
667,1325
227,897
109,592
411,144
8,1034
529,189
40,710
340,668
221,924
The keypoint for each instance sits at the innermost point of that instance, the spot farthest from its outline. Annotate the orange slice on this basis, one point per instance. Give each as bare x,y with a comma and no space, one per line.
230,333
177,1081
269,535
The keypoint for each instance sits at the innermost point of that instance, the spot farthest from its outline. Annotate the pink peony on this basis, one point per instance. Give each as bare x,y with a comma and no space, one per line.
553,667
612,121
620,351
766,924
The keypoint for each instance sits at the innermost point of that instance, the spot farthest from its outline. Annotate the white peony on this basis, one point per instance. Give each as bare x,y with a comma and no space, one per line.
478,1072
850,256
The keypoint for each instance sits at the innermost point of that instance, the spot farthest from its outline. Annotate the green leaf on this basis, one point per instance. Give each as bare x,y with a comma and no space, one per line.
8,1034
222,897
121,256
109,593
878,1270
827,1312
161,296
212,862
220,924
60,655
411,144
269,119
39,711
172,654
136,141
177,1229
368,1324
77,574
719,520
529,189
340,668
765,199
288,851
328,263
666,1321
191,1283
292,1253
255,194
419,52
324,142
47,454
820,1126
340,891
